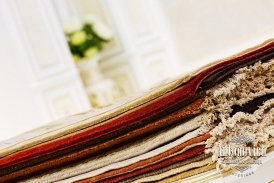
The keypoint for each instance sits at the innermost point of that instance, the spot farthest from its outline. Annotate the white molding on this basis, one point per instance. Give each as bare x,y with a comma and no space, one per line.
161,21
39,71
60,83
64,98
117,46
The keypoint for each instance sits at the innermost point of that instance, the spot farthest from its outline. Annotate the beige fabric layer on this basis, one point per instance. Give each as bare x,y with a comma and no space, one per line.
84,120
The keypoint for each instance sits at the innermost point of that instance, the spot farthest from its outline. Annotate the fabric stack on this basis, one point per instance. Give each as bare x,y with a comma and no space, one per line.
166,134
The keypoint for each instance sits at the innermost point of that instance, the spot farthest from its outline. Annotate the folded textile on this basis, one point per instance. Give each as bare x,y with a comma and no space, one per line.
84,167
181,176
176,171
165,169
166,134
183,113
154,159
188,154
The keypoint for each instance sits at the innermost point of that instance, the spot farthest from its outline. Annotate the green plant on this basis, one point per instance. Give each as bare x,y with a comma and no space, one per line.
87,39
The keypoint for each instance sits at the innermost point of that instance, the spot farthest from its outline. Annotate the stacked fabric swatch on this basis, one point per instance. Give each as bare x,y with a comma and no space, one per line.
166,134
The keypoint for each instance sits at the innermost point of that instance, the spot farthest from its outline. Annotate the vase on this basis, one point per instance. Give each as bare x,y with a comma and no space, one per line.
90,70
101,91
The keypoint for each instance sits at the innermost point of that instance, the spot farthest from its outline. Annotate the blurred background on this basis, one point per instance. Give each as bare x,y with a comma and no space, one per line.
61,57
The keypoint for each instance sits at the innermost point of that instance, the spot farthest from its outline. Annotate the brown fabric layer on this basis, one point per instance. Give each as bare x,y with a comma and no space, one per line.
165,169
149,161
184,113
189,173
195,151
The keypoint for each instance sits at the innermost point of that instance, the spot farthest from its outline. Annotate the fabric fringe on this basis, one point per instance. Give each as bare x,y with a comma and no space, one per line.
258,126
245,85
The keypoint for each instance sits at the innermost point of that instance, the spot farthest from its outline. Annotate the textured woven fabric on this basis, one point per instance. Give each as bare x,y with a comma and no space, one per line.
158,135
183,175
78,122
124,152
176,170
181,114
154,159
188,154
170,167
201,75
86,166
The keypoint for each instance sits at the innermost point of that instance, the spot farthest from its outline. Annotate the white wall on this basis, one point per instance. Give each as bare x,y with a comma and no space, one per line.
211,29
38,80
19,110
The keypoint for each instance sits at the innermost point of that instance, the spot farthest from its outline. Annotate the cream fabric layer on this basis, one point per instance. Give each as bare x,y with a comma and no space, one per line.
175,171
192,176
77,122
131,151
